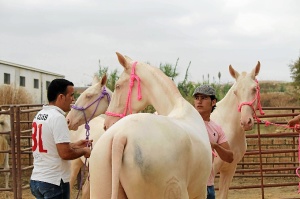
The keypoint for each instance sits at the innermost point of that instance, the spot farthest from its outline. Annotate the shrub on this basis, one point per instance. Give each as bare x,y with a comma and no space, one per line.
12,95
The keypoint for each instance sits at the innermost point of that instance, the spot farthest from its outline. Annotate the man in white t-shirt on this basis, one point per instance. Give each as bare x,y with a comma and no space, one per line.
51,145
205,102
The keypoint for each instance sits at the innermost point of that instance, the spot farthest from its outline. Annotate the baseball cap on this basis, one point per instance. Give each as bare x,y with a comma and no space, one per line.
205,90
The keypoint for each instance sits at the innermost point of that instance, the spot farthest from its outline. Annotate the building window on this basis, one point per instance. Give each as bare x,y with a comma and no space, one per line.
22,81
6,78
35,83
47,84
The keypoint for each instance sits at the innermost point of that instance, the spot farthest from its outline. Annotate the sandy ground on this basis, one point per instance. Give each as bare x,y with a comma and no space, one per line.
270,193
287,192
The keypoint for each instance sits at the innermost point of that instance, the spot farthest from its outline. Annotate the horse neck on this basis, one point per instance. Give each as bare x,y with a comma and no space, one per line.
164,102
229,104
161,92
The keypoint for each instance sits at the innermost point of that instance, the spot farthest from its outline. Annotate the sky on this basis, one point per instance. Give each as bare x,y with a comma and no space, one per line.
69,37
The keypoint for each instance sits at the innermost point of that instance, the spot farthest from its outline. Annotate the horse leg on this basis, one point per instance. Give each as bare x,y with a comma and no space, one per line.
6,166
185,195
75,167
224,182
86,190
203,193
100,168
121,192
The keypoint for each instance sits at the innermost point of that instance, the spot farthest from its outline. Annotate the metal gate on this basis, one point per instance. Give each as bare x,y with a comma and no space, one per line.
255,163
272,152
21,162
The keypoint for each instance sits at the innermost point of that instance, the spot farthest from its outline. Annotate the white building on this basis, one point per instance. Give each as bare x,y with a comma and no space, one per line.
34,80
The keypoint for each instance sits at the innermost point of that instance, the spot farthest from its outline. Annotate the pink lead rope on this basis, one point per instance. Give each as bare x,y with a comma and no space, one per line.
268,123
133,77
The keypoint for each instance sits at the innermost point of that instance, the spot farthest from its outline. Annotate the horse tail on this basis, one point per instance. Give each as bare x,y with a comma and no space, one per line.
118,147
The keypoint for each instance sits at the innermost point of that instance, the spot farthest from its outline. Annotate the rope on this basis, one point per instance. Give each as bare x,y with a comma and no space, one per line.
296,127
133,77
268,123
87,126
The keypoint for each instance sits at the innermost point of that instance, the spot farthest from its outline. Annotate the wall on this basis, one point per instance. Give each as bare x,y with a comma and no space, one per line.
39,95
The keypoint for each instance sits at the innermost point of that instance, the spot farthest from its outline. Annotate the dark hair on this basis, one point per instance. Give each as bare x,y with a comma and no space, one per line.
56,87
212,97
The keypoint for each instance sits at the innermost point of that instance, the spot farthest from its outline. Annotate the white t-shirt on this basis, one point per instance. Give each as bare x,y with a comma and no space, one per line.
216,135
49,128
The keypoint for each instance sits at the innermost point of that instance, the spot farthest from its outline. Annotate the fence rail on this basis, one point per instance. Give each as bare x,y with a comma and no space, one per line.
272,152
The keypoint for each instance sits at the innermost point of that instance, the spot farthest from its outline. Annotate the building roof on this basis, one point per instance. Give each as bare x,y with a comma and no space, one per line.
30,68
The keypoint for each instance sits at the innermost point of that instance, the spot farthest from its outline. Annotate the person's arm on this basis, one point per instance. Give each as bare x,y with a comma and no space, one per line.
81,144
67,152
224,151
294,121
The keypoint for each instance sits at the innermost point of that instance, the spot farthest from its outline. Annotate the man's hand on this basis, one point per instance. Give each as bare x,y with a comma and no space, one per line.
295,123
213,145
87,152
82,143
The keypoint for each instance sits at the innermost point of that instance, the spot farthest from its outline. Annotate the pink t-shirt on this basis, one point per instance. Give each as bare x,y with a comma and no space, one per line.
216,135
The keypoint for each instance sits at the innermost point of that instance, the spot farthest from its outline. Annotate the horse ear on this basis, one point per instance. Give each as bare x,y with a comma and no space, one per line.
103,80
255,71
233,72
122,60
127,57
95,79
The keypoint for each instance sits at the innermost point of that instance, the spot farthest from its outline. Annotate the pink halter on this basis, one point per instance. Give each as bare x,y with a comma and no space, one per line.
257,97
133,77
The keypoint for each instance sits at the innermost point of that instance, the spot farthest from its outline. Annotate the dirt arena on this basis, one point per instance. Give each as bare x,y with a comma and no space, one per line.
270,193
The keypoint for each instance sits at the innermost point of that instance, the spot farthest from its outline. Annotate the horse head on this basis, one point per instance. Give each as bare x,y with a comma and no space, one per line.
4,123
246,89
127,97
91,103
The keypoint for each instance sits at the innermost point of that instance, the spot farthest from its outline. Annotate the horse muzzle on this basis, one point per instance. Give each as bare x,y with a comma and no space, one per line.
247,125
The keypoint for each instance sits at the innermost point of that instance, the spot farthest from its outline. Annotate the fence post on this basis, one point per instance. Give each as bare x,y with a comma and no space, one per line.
19,169
12,150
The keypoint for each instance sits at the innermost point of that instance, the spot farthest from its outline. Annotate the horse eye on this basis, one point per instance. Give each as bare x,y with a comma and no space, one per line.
235,92
117,86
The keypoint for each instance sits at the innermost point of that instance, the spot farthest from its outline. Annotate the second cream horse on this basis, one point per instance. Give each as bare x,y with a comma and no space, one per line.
235,115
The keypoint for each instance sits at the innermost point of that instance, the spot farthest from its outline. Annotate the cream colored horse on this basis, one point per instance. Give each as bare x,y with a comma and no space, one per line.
91,103
4,146
234,123
150,156
88,106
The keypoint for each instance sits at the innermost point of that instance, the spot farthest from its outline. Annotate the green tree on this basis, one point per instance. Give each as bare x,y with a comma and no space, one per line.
112,77
295,72
168,70
186,87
